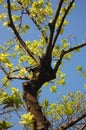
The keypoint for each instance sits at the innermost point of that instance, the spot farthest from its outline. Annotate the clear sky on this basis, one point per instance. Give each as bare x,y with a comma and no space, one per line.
77,27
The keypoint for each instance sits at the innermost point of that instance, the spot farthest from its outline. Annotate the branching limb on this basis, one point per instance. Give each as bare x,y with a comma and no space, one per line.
66,52
10,77
52,27
72,122
52,40
62,21
21,42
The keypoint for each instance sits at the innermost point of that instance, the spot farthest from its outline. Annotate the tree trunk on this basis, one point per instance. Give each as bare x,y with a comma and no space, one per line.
41,75
40,123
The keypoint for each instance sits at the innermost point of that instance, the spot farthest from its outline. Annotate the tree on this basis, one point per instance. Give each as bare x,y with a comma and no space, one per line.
38,63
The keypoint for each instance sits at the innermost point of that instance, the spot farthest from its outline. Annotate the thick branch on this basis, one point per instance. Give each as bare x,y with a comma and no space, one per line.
21,42
30,97
62,21
72,122
66,52
52,27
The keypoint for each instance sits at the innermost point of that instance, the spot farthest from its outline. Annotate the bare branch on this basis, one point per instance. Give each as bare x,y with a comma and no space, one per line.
72,122
62,21
21,42
52,27
66,52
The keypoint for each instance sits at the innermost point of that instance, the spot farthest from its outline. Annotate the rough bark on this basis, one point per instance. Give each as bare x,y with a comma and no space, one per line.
45,73
40,121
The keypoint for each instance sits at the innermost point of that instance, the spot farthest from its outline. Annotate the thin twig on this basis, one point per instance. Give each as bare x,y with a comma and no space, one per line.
72,122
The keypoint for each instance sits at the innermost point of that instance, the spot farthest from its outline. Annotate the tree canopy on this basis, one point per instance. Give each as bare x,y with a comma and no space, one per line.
36,63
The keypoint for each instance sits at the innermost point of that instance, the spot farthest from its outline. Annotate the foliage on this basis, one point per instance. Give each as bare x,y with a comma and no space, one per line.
65,109
5,125
27,119
19,60
81,71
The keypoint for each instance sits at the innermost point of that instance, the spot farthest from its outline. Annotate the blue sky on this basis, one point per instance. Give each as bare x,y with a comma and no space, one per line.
77,27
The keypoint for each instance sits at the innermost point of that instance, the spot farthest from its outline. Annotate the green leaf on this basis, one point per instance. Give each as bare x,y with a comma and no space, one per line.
1,2
6,82
53,89
6,23
5,125
2,16
84,86
15,17
85,74
45,103
27,119
13,100
79,68
25,28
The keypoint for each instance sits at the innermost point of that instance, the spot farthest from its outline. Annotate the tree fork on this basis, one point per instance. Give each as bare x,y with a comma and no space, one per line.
30,97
